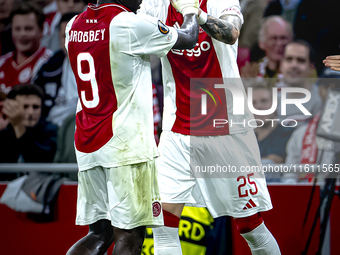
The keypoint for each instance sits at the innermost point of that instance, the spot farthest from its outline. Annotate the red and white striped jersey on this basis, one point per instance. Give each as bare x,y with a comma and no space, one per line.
109,49
11,73
209,59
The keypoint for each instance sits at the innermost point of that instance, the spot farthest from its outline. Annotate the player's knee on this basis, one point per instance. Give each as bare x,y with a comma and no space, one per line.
132,238
247,224
103,230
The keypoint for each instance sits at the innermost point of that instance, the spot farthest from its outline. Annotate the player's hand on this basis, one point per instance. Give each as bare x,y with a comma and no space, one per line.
250,70
186,6
3,119
14,111
333,62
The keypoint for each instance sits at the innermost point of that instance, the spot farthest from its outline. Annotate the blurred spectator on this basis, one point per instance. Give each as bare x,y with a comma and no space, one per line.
65,141
317,22
286,8
3,120
49,8
57,80
304,146
274,35
6,43
27,137
271,135
296,67
21,65
333,62
252,11
51,36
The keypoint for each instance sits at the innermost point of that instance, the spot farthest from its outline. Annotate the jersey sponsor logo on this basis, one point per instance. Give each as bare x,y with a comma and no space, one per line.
163,28
156,208
196,52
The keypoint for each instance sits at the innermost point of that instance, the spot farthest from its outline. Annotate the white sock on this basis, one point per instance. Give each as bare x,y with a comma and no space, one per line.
166,241
261,241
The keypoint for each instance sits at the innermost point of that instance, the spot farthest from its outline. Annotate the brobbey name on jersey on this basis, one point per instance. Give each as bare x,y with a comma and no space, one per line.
87,36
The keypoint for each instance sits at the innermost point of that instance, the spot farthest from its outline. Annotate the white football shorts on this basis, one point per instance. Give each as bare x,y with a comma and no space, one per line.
128,196
238,194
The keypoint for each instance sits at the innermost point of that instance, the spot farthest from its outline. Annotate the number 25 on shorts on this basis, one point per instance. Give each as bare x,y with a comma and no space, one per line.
244,180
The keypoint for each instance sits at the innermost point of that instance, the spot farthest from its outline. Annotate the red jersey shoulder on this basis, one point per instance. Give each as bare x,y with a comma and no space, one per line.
5,58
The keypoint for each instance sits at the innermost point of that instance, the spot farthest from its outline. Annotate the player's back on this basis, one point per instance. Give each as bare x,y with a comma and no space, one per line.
109,55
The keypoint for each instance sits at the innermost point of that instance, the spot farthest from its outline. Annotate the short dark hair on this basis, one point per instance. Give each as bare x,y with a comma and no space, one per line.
308,46
67,17
26,89
27,8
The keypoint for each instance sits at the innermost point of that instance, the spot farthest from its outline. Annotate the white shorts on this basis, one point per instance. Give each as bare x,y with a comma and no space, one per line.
128,196
239,194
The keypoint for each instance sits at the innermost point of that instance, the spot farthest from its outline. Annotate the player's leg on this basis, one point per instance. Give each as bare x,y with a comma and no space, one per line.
258,237
134,204
128,242
166,238
175,187
92,208
237,193
96,242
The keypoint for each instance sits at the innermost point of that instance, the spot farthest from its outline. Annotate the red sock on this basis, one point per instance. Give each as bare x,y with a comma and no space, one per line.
247,224
170,220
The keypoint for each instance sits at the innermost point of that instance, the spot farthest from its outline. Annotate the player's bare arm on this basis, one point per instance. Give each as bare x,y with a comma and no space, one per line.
224,29
188,33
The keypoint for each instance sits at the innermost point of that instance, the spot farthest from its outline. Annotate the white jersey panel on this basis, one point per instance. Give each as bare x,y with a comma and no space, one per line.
155,8
227,57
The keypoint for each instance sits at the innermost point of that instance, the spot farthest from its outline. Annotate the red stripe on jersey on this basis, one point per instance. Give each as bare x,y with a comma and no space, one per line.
201,62
90,47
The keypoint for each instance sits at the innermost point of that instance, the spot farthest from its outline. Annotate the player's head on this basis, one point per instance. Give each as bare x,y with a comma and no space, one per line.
262,98
66,6
6,7
30,97
27,27
62,26
132,5
328,79
274,35
297,63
